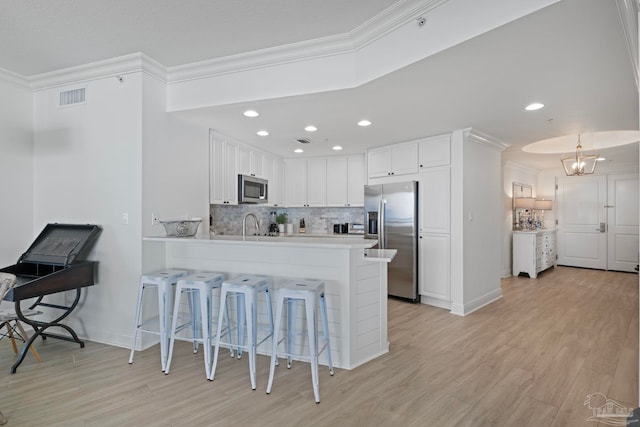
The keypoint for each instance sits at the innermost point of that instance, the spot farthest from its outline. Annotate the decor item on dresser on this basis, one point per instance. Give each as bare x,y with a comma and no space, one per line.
524,208
542,205
533,252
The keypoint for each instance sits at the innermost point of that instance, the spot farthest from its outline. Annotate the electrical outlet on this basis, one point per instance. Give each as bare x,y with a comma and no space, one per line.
155,219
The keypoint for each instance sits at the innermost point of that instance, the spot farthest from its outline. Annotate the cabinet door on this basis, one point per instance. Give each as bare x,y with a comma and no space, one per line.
296,172
434,186
355,180
257,164
217,168
434,151
316,182
337,181
231,173
244,160
379,162
274,170
404,158
434,268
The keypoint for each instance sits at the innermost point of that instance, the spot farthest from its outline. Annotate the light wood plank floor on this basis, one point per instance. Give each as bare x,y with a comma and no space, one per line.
529,359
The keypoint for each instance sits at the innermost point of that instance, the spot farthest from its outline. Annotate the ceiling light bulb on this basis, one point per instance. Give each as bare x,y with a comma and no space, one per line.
262,133
298,150
251,113
534,106
337,147
364,123
311,128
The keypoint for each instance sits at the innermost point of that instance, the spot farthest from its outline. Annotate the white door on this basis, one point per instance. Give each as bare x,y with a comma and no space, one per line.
622,213
582,238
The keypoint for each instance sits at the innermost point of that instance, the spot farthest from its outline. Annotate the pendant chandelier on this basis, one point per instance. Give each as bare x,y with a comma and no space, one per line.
580,163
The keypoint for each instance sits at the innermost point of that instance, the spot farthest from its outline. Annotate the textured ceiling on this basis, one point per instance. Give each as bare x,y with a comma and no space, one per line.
571,56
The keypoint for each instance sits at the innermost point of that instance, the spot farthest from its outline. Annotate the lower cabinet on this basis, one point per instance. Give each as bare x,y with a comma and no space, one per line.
533,252
434,270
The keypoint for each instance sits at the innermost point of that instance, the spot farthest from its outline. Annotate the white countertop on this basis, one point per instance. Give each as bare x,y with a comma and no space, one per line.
327,240
380,255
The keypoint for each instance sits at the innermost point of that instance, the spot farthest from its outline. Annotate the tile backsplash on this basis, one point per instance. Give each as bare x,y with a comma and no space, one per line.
228,219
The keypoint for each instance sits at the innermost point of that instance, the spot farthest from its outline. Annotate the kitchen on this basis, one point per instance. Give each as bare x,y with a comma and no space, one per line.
152,162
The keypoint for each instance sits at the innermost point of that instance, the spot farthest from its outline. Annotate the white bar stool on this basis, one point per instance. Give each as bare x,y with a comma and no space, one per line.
312,293
200,288
162,280
246,289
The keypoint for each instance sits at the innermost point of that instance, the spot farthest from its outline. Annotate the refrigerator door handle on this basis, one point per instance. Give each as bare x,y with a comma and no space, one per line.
381,243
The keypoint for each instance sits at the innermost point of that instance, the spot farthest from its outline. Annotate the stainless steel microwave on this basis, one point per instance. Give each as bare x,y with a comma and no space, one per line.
252,189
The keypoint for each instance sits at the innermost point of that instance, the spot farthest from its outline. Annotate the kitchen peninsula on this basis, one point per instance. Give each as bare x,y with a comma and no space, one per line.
355,278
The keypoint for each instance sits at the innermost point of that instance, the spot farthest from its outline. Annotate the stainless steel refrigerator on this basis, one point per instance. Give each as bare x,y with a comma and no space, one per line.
391,217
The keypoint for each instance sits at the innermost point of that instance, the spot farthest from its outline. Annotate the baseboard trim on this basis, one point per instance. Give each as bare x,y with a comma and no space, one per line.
476,304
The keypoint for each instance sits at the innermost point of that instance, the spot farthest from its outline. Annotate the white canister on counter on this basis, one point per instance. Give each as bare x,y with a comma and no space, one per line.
289,228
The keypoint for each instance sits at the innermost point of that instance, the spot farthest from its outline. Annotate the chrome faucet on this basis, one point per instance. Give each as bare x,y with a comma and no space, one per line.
244,223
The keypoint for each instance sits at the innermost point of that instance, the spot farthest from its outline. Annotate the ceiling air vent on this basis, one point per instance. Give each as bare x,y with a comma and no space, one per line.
303,140
71,97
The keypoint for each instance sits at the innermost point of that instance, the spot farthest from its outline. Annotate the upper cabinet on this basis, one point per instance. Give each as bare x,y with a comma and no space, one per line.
274,174
345,181
251,162
229,158
306,182
434,151
223,182
393,160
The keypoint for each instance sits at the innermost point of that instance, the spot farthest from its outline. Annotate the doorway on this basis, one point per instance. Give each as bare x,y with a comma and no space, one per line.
598,221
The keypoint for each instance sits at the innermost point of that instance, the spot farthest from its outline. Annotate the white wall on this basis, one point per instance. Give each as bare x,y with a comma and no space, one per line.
476,214
16,169
482,217
87,169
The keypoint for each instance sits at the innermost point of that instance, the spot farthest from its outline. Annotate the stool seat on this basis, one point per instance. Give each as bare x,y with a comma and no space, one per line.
162,280
246,289
311,293
200,286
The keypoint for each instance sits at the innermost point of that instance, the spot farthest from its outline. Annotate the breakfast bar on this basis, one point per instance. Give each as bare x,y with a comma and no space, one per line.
355,277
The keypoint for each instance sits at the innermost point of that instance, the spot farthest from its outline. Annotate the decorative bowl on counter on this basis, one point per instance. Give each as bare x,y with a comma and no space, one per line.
181,227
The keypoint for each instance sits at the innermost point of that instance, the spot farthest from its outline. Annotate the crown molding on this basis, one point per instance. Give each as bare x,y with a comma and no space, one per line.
122,65
478,137
366,33
515,165
14,78
628,13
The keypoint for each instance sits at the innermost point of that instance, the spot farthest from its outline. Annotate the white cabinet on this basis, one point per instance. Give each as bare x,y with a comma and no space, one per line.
533,251
434,151
306,182
250,162
223,181
397,159
274,174
345,181
434,271
434,186
434,223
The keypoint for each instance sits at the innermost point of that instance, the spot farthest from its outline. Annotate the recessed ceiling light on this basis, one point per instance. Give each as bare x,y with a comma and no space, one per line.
534,106
262,133
251,113
311,128
601,159
337,147
364,123
298,150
